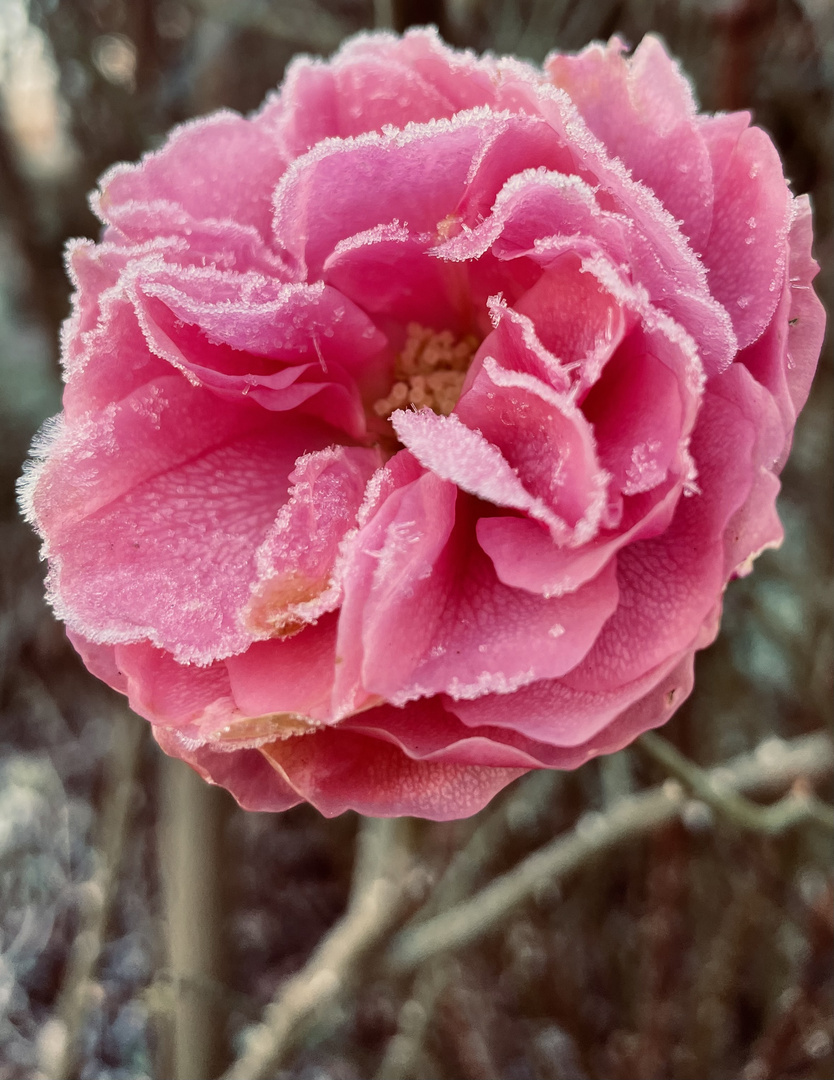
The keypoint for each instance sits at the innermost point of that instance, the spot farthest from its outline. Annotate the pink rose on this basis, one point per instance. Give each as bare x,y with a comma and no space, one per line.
414,425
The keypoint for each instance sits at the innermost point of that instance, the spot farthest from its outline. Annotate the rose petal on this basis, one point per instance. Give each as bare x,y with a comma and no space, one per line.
416,579
669,584
664,262
387,271
784,358
245,773
171,499
575,317
556,461
455,452
198,172
643,110
341,770
416,177
294,675
564,719
399,80
525,557
745,253
295,562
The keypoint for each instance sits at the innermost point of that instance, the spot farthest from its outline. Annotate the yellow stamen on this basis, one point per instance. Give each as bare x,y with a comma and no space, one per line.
429,372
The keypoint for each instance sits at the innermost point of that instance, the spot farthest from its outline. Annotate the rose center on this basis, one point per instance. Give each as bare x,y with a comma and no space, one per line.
429,372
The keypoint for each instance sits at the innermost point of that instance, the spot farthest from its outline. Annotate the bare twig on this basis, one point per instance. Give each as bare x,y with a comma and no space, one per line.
308,23
384,14
380,890
810,757
405,1055
74,999
797,807
191,829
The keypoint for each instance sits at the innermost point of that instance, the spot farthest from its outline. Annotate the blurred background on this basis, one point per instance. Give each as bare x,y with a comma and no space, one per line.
700,952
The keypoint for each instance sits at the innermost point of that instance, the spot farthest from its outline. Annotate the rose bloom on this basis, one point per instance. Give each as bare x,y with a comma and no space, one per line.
414,425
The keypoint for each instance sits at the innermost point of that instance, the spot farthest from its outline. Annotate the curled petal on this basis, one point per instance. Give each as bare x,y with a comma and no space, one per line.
196,177
296,561
172,498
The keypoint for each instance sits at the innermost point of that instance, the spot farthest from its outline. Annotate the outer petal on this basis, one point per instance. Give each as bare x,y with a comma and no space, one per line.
806,323
546,724
570,725
245,773
662,260
650,711
398,80
153,512
785,357
644,112
275,689
426,730
94,382
197,177
340,770
745,252
174,697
